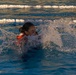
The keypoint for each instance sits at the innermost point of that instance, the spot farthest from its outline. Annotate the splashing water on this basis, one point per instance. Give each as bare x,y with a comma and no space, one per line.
50,34
59,33
7,40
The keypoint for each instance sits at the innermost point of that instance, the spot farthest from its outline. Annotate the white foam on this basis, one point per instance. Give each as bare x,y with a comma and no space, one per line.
11,20
4,20
38,6
47,6
74,21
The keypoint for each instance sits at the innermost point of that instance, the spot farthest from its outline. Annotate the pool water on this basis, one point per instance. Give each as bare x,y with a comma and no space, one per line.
56,25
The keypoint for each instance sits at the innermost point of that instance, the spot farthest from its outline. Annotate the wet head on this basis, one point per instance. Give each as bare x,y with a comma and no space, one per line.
28,28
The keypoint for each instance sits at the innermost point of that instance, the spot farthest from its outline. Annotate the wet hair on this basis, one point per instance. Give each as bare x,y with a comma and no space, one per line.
26,27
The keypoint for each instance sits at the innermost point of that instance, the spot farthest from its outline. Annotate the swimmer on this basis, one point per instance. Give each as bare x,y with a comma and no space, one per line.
27,29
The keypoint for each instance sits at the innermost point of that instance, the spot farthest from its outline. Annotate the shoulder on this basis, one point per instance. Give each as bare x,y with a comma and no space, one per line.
20,36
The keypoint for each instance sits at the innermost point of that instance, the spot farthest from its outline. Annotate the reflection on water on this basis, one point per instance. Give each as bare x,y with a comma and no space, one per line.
38,9
46,61
50,13
42,2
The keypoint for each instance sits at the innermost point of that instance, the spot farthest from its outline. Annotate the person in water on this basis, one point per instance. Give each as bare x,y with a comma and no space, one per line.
27,29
